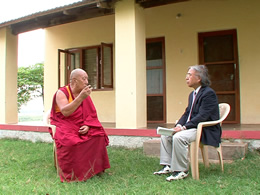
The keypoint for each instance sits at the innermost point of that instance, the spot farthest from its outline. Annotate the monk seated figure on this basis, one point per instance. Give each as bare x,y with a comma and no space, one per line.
80,138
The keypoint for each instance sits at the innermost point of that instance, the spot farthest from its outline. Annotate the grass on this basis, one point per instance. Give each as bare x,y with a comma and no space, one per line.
26,118
27,168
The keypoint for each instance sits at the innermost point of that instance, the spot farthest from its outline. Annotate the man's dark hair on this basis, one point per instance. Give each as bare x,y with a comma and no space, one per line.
202,72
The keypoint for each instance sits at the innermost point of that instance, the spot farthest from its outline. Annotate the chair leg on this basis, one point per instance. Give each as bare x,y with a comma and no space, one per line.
54,156
220,156
194,161
56,164
205,154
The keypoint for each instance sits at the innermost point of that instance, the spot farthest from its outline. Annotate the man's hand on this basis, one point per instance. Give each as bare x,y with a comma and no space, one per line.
177,129
85,92
83,130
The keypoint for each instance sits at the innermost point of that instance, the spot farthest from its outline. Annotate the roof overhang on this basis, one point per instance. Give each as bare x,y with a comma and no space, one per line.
74,12
153,3
61,15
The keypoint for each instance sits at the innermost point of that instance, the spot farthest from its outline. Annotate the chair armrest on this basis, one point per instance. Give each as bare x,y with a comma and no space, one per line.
205,124
208,123
53,129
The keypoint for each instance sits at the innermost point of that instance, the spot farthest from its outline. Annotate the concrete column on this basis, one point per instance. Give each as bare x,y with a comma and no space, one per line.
130,65
8,76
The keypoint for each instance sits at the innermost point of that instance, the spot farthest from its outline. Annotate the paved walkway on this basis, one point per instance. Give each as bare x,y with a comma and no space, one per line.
37,131
226,127
243,127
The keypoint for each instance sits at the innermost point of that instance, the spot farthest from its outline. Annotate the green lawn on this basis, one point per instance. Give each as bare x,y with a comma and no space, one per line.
27,168
26,118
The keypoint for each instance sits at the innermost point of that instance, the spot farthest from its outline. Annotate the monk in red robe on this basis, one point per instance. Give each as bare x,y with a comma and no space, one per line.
80,138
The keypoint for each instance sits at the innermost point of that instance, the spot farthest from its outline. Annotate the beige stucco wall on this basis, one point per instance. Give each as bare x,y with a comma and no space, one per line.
8,76
130,65
78,34
181,47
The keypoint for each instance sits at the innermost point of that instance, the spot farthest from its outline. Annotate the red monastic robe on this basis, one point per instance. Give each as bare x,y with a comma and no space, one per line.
79,156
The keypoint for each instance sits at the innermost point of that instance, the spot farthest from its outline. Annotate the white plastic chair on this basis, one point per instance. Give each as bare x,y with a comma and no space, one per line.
53,129
224,110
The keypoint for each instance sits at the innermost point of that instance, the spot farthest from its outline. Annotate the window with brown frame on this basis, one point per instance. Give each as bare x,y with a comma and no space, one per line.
97,61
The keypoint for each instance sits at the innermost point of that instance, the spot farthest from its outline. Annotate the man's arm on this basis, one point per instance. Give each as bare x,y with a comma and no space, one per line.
67,108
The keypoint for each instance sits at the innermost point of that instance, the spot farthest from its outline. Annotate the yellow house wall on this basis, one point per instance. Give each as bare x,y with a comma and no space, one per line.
8,76
181,47
2,72
78,34
130,65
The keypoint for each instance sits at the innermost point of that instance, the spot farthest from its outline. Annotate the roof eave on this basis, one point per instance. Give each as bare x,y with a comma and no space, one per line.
52,11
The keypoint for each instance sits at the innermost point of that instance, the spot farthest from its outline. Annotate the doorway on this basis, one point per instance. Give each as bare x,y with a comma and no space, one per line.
218,51
155,71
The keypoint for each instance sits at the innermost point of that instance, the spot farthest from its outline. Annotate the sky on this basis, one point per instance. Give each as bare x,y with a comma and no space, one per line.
31,47
30,44
12,9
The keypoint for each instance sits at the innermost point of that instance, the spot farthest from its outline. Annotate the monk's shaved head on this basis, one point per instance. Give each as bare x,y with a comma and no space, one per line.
76,73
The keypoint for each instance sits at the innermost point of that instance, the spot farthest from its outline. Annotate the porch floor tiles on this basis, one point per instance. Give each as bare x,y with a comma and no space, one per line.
229,131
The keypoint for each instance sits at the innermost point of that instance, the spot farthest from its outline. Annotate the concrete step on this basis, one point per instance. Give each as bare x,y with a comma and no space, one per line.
230,151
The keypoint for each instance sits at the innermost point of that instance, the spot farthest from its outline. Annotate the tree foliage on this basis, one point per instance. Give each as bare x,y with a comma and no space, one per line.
29,83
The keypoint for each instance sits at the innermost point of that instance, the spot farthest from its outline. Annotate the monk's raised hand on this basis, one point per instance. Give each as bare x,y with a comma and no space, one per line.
86,91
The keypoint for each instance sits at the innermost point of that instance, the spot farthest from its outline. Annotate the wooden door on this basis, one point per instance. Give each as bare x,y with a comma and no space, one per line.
155,72
218,51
